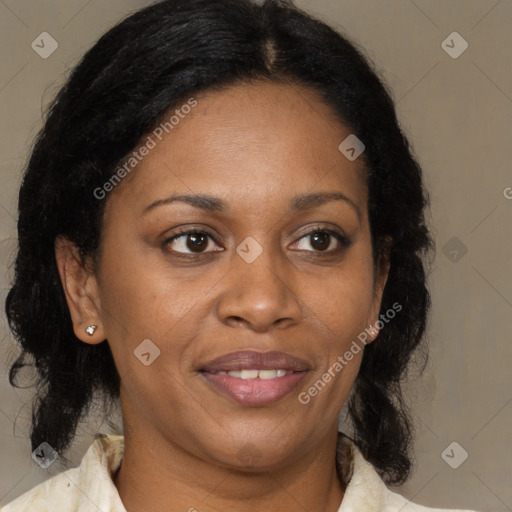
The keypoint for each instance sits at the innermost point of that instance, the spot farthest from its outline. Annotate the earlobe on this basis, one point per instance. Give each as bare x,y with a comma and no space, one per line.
93,333
374,332
80,289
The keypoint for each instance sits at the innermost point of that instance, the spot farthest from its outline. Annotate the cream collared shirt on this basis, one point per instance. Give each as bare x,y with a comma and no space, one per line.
89,487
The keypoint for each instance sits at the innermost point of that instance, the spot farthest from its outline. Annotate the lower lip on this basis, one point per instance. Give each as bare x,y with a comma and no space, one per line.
255,392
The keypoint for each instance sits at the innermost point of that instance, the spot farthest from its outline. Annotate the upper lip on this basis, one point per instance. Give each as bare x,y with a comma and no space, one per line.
252,360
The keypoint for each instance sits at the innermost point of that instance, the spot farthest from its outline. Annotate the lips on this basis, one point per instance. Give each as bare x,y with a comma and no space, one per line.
255,378
251,360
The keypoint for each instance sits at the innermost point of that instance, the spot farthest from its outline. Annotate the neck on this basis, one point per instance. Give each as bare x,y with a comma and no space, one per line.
162,476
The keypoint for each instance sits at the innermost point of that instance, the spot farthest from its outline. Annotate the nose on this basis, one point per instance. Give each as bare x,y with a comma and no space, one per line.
259,295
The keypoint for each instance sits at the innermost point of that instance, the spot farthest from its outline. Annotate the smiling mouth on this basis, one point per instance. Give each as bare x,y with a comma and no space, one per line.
255,378
256,374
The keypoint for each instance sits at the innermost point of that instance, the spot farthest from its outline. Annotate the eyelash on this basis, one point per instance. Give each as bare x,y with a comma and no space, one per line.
343,240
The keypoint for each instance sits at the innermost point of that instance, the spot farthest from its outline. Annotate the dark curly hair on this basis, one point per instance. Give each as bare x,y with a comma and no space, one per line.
121,89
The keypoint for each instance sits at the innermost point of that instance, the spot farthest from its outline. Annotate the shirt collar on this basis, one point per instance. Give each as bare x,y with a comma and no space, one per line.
364,490
363,487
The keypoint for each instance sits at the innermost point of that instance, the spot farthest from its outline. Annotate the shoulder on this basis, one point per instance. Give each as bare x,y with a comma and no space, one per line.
366,492
57,489
395,502
86,487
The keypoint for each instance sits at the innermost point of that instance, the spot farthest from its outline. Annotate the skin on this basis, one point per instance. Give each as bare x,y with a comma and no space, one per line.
255,147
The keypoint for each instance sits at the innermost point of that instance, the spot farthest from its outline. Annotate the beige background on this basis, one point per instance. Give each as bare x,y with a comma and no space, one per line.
458,115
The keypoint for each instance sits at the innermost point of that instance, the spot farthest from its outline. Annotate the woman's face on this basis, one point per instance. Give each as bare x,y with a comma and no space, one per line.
265,273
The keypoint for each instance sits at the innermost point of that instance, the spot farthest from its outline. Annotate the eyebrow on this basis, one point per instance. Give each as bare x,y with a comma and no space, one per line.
212,204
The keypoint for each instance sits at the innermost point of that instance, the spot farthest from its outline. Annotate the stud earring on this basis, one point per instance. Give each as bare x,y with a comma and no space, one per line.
373,331
90,330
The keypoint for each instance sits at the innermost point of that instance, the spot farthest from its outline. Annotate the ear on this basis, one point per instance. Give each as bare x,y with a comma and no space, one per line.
380,280
81,290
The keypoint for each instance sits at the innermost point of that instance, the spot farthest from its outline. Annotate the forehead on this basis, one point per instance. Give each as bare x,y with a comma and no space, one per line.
251,143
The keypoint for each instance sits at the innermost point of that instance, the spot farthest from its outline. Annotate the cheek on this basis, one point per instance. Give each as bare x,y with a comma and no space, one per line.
143,301
340,305
338,310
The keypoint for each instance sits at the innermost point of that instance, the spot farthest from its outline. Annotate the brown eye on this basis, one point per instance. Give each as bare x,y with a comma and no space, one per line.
322,240
197,242
190,242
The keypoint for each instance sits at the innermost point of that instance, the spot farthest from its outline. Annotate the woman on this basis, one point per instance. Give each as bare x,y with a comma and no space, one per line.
222,225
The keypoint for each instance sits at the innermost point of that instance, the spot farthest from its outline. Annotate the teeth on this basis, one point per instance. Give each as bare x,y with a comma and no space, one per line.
249,374
267,374
254,374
